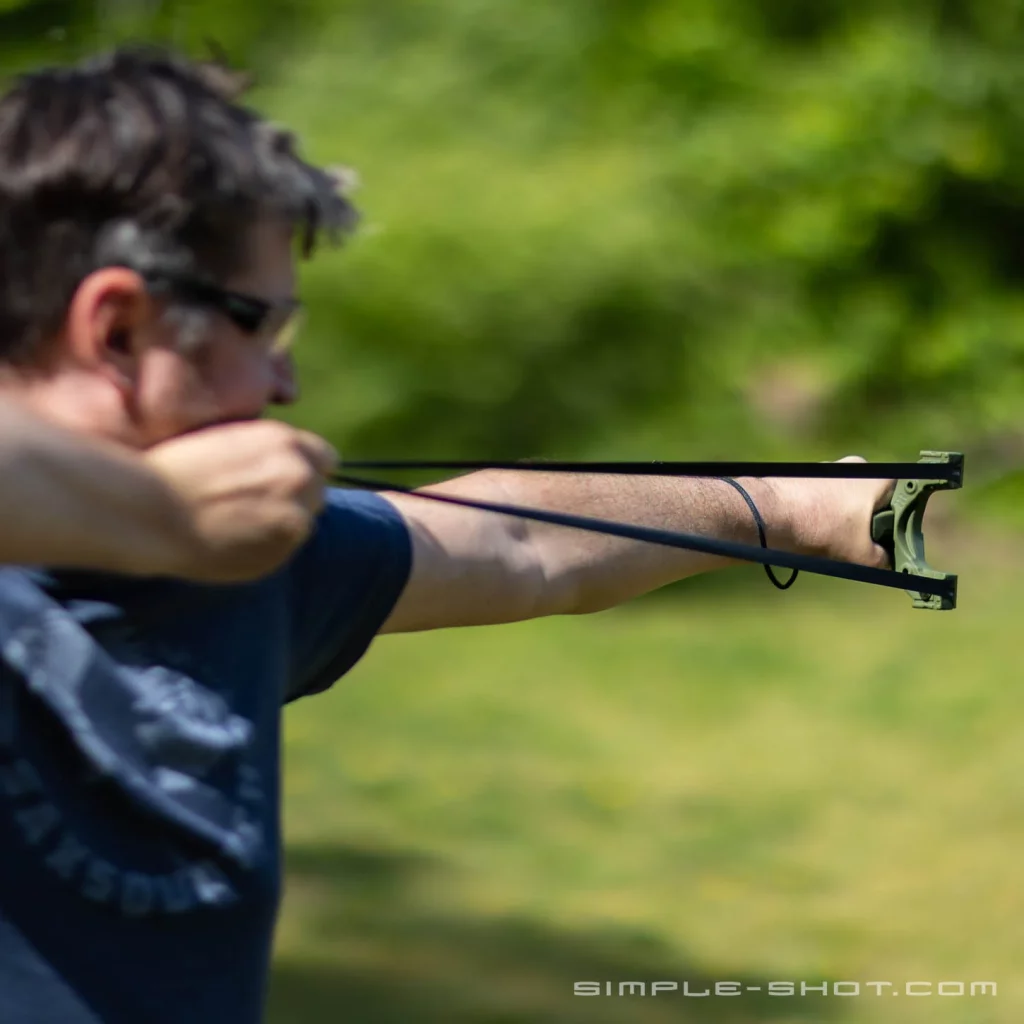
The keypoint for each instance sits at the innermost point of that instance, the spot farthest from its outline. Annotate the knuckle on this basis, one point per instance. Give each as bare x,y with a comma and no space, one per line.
294,474
278,433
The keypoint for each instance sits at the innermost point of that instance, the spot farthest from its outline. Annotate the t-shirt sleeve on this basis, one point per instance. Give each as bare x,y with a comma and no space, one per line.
343,585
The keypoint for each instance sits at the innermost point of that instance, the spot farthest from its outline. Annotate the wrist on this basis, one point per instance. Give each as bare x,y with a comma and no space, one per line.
169,543
782,511
799,516
158,539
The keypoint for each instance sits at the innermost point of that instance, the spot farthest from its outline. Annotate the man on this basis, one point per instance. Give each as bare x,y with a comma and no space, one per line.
146,286
219,506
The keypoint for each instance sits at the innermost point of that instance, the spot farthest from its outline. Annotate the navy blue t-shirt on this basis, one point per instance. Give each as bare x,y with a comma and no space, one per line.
139,771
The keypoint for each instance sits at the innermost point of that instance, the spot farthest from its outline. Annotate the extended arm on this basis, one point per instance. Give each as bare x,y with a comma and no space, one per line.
473,568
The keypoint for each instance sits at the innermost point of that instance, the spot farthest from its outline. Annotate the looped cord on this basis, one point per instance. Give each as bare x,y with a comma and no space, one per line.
761,533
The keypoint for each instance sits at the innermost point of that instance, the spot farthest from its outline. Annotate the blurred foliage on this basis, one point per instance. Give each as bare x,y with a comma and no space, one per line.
644,226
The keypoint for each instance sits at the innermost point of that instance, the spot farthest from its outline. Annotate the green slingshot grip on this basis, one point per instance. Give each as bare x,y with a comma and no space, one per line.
900,527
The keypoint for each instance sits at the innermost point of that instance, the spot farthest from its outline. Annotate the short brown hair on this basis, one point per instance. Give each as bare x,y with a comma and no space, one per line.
142,158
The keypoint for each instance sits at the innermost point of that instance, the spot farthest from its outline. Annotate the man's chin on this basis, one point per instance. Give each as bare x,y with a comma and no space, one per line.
226,421
170,435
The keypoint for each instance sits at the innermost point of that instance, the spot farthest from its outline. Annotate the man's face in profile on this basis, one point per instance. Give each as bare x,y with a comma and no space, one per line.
224,374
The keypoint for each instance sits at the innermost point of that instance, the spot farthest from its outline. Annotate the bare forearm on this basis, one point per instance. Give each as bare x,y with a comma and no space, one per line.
590,571
68,501
584,572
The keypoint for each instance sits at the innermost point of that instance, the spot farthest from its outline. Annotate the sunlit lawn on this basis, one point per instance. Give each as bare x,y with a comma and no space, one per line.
727,784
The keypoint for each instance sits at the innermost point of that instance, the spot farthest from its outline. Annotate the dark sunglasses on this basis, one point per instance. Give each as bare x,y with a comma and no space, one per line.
277,323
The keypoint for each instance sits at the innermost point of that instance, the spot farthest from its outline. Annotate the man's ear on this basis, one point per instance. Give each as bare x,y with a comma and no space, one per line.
108,323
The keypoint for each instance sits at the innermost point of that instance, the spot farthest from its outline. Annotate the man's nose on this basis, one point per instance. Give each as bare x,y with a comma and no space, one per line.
285,386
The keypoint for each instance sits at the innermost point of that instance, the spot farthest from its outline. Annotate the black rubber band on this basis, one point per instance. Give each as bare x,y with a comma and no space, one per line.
951,471
761,533
944,586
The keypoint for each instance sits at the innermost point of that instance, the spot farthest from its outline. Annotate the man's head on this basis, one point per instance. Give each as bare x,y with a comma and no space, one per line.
147,231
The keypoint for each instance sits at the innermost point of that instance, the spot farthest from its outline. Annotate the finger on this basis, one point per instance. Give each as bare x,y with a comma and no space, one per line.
314,498
883,561
321,454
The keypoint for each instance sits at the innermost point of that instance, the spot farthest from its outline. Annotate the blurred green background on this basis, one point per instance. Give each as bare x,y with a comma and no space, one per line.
657,229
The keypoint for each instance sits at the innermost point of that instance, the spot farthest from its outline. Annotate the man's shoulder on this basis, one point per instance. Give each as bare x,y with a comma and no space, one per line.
344,584
361,530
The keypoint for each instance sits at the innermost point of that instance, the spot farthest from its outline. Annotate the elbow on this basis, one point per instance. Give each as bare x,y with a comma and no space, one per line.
565,590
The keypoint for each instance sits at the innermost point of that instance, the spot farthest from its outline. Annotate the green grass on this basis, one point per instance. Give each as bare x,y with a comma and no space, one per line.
724,783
